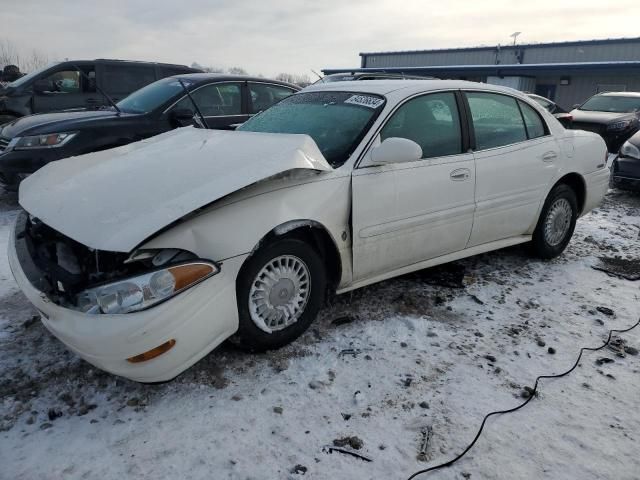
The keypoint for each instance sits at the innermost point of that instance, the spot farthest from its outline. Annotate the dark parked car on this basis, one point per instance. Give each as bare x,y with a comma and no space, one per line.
553,108
61,86
625,168
28,143
613,115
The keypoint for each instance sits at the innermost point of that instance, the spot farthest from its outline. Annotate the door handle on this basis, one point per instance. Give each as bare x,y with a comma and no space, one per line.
91,101
460,174
549,156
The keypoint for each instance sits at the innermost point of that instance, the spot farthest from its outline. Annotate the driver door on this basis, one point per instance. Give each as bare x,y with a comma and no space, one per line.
68,89
405,213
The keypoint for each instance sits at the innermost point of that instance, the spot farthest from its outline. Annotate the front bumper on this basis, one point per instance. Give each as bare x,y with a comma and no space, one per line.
17,164
198,319
625,173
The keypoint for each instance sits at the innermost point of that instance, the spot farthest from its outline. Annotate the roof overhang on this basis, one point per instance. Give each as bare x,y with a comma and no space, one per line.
501,69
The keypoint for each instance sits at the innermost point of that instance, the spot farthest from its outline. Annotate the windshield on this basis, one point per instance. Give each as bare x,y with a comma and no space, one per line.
28,77
336,121
610,103
153,95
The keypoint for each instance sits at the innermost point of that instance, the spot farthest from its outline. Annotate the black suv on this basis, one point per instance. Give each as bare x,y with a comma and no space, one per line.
62,86
28,143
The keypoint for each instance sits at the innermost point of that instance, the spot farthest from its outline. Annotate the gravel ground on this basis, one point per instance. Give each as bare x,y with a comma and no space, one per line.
437,349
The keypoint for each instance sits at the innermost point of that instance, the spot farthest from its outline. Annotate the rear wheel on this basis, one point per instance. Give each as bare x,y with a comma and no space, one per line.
556,223
280,291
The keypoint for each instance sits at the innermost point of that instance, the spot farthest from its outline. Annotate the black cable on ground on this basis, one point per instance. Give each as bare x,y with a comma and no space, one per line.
532,394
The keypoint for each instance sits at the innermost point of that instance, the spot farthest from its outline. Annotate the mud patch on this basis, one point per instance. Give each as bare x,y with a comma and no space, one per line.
619,267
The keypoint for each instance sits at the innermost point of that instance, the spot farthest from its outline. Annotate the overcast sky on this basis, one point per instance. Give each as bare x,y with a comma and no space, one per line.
274,36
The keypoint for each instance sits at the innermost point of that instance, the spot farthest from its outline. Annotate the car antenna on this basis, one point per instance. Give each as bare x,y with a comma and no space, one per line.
109,99
204,123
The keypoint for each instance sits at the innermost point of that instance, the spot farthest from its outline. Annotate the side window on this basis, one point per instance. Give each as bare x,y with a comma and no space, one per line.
496,120
125,79
66,81
432,121
264,95
72,81
535,125
216,100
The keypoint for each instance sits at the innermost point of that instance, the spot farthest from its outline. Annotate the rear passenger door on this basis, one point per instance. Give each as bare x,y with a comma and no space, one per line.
516,158
263,95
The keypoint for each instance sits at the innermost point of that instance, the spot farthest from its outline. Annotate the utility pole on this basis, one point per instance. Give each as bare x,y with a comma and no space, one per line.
514,35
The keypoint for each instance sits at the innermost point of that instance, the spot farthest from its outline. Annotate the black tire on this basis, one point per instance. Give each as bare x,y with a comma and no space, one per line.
542,248
249,336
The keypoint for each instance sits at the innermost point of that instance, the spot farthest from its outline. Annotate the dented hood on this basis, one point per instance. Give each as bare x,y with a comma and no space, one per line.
115,199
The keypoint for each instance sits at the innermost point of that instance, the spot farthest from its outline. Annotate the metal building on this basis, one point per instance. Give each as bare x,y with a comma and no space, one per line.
566,72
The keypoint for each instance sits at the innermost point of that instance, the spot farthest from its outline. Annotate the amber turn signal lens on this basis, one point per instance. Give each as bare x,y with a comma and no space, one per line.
185,275
153,353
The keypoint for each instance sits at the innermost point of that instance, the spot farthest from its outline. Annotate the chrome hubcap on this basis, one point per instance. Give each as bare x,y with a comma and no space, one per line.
279,293
558,222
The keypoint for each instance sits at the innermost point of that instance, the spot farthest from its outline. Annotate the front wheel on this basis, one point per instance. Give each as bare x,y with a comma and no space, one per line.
280,291
556,223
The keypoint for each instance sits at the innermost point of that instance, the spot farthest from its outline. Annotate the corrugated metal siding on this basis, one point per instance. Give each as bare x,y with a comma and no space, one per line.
584,86
587,53
618,51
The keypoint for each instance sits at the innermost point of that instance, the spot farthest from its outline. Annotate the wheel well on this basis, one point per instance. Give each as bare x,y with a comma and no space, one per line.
316,235
576,182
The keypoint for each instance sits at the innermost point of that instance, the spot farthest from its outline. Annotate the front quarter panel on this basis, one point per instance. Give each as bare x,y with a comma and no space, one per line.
236,225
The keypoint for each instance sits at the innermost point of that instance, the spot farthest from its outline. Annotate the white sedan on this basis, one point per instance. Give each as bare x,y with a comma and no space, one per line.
144,258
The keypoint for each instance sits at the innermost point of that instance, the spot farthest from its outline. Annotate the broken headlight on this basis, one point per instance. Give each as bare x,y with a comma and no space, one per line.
143,291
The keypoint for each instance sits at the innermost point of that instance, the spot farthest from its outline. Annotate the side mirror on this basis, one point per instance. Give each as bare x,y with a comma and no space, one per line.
182,114
396,150
41,86
575,106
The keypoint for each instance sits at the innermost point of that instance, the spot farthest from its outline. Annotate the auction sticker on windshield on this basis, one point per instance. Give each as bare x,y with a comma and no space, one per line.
365,101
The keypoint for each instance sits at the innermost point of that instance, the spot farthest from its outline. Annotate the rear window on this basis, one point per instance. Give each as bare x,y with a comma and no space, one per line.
124,79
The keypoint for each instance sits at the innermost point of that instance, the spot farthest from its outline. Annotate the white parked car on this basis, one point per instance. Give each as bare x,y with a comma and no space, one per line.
144,258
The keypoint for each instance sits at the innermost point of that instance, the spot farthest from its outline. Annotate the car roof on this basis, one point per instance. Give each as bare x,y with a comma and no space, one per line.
203,77
620,94
408,87
116,61
377,75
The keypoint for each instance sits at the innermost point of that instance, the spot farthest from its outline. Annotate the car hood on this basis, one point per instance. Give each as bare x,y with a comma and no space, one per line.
55,122
115,199
635,139
599,117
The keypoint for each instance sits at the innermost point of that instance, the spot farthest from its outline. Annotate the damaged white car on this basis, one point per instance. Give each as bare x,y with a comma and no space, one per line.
144,258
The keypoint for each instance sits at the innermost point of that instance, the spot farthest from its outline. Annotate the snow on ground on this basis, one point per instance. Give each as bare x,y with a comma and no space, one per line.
379,364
